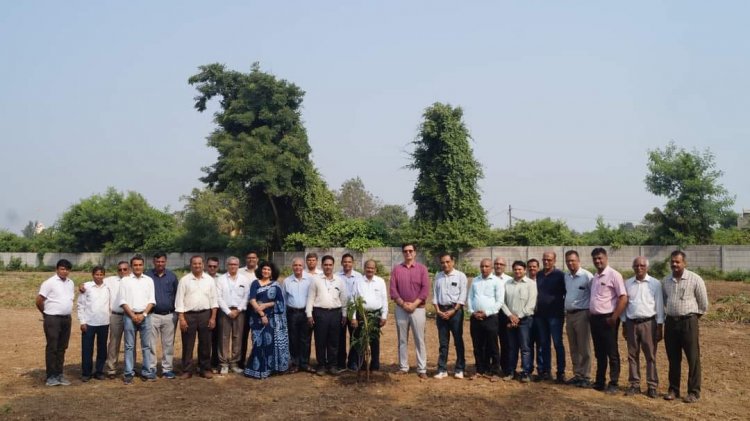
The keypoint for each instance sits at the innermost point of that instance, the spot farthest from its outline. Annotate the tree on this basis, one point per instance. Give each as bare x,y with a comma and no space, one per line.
626,234
13,242
697,203
355,201
263,151
354,234
449,215
210,220
540,232
115,222
29,231
394,220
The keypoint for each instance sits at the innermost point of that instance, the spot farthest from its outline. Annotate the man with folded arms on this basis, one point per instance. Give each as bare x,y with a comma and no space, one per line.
232,289
137,299
685,301
486,297
196,305
643,321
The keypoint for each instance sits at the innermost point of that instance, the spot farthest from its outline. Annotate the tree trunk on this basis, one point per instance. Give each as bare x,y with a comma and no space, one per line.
277,222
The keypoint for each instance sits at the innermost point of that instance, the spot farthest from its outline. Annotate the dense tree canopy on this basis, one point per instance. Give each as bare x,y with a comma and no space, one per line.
355,201
697,202
449,215
263,151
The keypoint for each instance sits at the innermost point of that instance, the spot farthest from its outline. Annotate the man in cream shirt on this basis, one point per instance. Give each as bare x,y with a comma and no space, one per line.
233,289
326,312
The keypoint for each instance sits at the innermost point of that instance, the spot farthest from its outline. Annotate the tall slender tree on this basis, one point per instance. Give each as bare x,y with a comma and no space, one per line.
449,215
263,151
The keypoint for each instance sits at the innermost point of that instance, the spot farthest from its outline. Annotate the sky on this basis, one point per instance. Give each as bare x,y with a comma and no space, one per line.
563,100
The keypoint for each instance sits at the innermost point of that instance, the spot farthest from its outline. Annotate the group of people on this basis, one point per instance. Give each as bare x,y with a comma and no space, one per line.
511,317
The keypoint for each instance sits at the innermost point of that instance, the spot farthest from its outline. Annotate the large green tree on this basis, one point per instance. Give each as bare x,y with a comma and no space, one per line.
210,220
449,215
697,202
264,155
115,222
539,232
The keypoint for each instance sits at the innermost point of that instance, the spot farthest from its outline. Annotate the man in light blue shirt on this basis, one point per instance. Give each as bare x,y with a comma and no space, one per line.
486,296
449,297
296,287
577,327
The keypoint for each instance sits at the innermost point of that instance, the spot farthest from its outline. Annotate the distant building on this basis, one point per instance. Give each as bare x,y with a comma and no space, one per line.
743,221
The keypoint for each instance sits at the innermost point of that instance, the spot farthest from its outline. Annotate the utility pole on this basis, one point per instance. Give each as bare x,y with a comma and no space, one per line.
510,217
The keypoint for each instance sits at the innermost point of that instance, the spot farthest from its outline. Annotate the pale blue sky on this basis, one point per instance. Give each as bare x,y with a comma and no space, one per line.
562,100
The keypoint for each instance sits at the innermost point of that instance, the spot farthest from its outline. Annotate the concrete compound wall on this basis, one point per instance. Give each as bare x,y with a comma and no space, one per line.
725,258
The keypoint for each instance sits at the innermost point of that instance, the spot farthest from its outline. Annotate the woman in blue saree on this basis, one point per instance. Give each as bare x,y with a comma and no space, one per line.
270,352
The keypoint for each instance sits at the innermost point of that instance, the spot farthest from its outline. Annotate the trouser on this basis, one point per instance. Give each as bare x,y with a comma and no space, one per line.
93,334
641,336
113,346
197,323
231,330
144,330
578,329
453,326
520,341
341,357
416,322
484,338
605,348
502,335
57,334
299,337
373,317
244,338
550,327
163,330
216,337
681,335
327,330
536,355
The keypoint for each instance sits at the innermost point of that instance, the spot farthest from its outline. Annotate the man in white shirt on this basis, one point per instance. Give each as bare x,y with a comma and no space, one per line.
350,278
196,304
326,313
116,324
251,264
55,302
137,298
93,317
311,261
212,269
643,321
373,291
486,297
449,297
499,265
232,290
296,288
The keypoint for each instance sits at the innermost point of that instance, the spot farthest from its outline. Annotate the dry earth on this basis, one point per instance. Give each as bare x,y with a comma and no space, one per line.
726,358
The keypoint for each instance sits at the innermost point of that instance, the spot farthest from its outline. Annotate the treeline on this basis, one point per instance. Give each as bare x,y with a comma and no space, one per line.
264,192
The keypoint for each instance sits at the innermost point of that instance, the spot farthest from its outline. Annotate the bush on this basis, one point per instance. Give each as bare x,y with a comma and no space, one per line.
738,276
709,273
732,308
468,269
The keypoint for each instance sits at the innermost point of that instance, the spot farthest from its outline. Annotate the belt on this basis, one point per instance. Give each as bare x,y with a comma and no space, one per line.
685,317
233,308
138,312
162,313
67,316
574,311
116,313
195,311
327,309
642,320
295,310
443,307
601,315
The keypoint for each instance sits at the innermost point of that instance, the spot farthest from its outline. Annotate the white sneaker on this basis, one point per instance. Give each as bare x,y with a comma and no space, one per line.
63,381
441,375
459,375
224,370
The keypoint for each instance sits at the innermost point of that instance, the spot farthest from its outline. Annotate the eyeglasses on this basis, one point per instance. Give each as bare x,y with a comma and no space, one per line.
122,269
213,266
408,251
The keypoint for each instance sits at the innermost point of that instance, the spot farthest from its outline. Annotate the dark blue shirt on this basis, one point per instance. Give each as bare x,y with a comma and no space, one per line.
165,290
550,299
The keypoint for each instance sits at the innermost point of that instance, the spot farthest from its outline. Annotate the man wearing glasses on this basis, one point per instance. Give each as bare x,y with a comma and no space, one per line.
163,318
115,319
409,288
499,266
212,269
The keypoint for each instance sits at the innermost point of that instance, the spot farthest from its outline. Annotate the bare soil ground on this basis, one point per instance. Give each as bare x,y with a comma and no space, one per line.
725,359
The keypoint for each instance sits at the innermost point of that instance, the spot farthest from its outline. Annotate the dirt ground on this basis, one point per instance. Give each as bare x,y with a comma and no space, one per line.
23,395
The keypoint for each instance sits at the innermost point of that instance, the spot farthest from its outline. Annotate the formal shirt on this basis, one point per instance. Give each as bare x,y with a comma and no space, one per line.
137,292
449,288
196,293
59,296
645,299
373,291
520,298
504,277
249,274
350,280
296,291
606,288
486,294
578,290
685,295
165,289
94,305
550,299
232,292
410,283
113,284
313,274
327,293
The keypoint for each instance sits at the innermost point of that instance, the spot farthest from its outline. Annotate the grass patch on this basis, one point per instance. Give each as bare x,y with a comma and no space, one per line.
19,289
732,308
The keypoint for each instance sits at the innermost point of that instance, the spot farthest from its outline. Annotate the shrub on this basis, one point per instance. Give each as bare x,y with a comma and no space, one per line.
15,264
738,276
732,308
